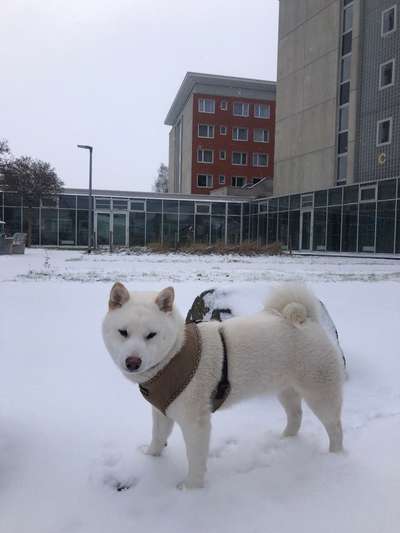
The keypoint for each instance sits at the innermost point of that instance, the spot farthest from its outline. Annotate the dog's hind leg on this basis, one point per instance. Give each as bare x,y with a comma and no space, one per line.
197,439
162,427
326,405
291,402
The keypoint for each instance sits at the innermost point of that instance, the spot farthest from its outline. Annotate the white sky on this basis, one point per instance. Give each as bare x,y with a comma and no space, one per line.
105,72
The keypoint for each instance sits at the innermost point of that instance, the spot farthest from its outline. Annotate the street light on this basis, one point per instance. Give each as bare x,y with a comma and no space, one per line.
90,148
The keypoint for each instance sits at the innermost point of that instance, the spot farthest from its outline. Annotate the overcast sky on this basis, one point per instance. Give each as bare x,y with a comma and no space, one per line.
105,72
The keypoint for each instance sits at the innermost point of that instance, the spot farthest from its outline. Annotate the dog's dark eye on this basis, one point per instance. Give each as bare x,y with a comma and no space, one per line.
151,335
123,332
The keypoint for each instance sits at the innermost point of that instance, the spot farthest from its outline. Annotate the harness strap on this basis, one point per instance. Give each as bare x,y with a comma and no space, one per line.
223,387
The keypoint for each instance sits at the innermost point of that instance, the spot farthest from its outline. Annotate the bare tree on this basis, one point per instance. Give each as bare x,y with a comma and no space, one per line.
161,181
31,178
4,148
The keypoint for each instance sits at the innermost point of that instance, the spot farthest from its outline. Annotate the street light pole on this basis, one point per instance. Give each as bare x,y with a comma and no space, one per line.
90,231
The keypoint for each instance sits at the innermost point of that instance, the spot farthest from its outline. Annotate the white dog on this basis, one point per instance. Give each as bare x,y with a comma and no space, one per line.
282,349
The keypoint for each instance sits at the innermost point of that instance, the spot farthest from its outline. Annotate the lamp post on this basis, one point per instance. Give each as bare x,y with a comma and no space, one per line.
90,231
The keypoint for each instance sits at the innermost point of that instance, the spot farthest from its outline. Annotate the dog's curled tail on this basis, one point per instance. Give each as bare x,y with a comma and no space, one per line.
295,302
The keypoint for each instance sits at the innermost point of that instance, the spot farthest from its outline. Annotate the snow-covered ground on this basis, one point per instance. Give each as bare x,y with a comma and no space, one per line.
71,426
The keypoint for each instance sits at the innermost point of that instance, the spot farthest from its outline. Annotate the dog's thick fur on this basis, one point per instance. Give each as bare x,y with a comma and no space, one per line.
281,350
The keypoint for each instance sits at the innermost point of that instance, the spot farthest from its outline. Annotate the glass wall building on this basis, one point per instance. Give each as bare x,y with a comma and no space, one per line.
359,218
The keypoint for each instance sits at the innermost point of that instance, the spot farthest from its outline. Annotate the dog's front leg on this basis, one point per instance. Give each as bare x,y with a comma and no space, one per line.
162,427
197,439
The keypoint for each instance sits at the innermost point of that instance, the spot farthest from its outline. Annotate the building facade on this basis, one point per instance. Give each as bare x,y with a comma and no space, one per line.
337,93
357,218
222,133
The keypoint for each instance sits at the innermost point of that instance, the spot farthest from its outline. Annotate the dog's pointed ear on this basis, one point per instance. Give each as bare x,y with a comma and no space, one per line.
118,296
165,299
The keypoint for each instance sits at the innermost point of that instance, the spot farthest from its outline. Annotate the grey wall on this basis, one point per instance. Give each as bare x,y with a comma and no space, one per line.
378,104
306,95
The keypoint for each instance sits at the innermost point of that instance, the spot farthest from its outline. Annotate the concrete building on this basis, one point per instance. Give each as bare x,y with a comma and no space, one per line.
338,113
222,133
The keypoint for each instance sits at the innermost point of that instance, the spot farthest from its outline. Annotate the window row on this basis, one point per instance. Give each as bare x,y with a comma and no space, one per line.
259,159
207,131
207,181
239,109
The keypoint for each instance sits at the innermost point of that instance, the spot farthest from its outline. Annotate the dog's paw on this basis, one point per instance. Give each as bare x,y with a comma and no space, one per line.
152,450
188,484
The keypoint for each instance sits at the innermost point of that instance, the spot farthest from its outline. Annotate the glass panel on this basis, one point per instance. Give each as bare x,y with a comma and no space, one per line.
262,230
349,230
218,208
350,194
136,229
398,228
49,225
348,19
306,230
170,229
346,69
284,203
203,208
186,207
83,222
344,118
345,93
67,201
246,228
319,232
138,205
153,227
234,209
335,196
103,229
295,201
119,229
170,206
83,202
186,228
283,227
103,203
31,225
342,169
154,206
12,218
294,230
50,201
320,198
343,142
67,227
334,227
217,229
272,227
12,199
253,228
233,232
386,189
202,229
366,232
385,227
346,43
120,204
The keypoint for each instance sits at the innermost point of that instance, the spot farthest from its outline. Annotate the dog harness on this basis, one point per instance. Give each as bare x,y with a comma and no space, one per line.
162,389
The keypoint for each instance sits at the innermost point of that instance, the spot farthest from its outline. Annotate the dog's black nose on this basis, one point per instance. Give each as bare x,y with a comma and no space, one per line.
132,363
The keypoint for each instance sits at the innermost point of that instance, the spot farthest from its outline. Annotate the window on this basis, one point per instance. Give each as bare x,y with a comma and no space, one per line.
342,169
307,200
239,158
257,180
240,134
223,105
206,105
368,194
204,180
260,135
240,109
103,203
221,180
223,130
206,130
346,69
260,160
346,43
238,181
120,204
262,110
344,118
137,205
384,132
222,155
202,209
205,156
389,20
347,19
343,141
345,93
386,74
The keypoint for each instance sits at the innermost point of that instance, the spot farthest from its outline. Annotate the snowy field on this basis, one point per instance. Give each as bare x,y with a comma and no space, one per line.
71,426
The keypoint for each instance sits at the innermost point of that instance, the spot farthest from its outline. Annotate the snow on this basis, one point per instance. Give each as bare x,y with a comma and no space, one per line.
71,426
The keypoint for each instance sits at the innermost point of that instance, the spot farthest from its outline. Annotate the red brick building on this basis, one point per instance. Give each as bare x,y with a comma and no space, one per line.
222,134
